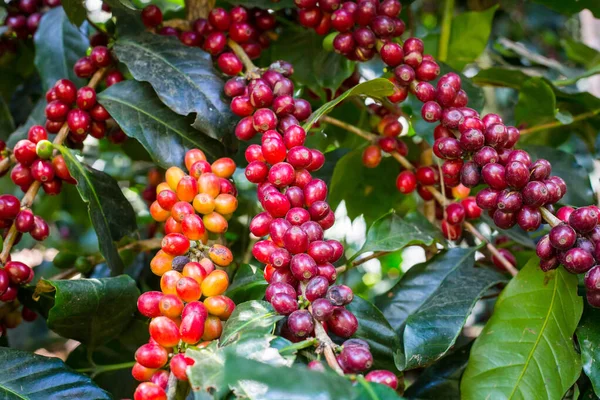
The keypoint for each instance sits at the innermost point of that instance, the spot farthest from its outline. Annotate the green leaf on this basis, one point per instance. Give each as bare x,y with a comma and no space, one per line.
469,36
182,76
37,117
166,135
7,125
75,10
441,377
581,53
588,336
579,191
375,330
263,4
58,46
443,289
250,318
313,66
112,215
537,103
392,232
572,7
29,376
247,284
526,349
497,76
91,311
357,186
376,88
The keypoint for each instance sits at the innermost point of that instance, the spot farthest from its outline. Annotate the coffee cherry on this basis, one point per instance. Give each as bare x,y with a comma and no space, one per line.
175,244
148,304
451,232
535,194
355,359
340,295
494,175
509,201
42,171
36,133
431,111
100,56
18,272
562,237
406,182
383,377
40,230
583,219
152,16
300,323
164,331
529,218
149,391
342,323
592,279
84,67
25,152
578,261
24,222
284,304
152,355
303,267
455,213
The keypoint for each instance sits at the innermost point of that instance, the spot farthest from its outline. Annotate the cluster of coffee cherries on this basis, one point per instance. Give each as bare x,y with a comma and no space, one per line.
361,25
389,129
188,270
207,191
23,16
246,27
79,109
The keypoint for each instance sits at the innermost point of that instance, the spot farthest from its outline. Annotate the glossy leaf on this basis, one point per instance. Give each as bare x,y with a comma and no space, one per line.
166,135
75,11
588,336
112,215
443,289
537,103
37,117
375,330
247,284
526,349
392,232
249,318
377,88
58,46
32,377
91,311
474,25
182,76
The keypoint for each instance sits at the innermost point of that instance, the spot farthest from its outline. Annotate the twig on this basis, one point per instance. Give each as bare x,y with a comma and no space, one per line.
6,163
251,69
363,260
507,265
575,79
524,52
29,196
445,30
550,218
178,23
351,128
557,124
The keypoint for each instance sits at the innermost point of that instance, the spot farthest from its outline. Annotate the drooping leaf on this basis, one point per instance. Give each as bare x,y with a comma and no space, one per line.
588,336
91,311
579,188
183,77
443,289
247,284
29,376
249,318
376,88
392,232
111,214
526,348
375,330
166,135
572,7
75,11
58,46
441,377
37,117
474,25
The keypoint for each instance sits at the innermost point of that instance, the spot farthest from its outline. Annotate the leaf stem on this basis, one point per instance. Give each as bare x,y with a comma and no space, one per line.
444,42
575,79
6,163
29,196
556,124
363,260
299,346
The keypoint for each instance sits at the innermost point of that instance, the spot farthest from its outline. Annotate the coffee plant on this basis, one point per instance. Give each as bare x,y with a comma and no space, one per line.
307,199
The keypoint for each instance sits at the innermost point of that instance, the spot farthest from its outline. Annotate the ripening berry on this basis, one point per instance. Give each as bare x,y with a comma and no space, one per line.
192,227
192,328
161,263
164,331
215,222
406,182
223,167
175,244
220,255
212,328
215,283
220,306
170,306
168,282
148,304
152,356
225,204
188,289
371,156
141,373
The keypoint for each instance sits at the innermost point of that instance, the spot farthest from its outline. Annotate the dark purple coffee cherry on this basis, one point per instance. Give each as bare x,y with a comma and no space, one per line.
356,359
279,287
540,170
322,309
316,288
340,295
529,218
300,323
472,140
544,248
578,261
284,304
470,174
535,194
583,219
342,323
592,279
504,220
494,175
486,155
593,298
303,267
517,174
280,258
509,201
487,198
562,237
549,264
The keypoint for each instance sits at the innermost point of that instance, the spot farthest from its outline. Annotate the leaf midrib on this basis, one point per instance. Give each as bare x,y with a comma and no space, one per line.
538,339
257,318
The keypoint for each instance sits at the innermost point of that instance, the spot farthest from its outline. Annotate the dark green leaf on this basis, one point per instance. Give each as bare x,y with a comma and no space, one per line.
572,7
263,4
497,76
112,215
29,376
588,336
182,76
581,53
7,125
443,289
469,36
75,11
91,311
313,66
579,191
441,381
376,88
247,284
250,318
374,328
537,103
58,45
359,186
37,117
392,232
526,348
166,135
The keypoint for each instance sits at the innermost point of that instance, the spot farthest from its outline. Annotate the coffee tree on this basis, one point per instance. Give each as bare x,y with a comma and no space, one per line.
298,199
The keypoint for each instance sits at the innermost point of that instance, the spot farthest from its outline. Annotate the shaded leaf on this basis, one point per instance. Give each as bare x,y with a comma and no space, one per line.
376,88
247,284
29,376
588,336
537,103
374,391
572,7
526,348
183,77
111,214
250,318
37,117
392,232
443,289
58,46
75,11
375,330
7,125
166,135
